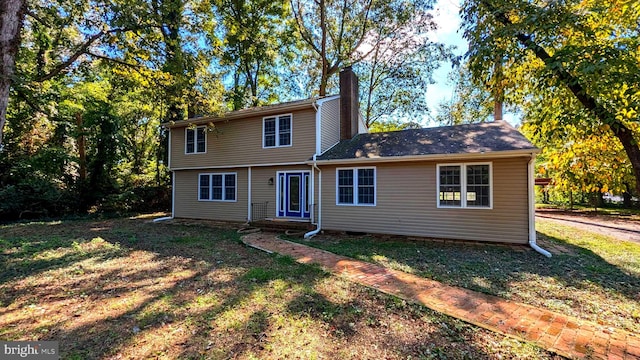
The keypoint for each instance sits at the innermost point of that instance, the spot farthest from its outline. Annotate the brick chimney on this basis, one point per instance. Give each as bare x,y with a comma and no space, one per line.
349,107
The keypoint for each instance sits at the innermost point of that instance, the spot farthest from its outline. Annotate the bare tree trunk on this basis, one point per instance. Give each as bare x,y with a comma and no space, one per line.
498,91
324,78
11,16
82,153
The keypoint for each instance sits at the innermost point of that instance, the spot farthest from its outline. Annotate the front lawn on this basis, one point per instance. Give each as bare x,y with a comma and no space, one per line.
590,276
132,289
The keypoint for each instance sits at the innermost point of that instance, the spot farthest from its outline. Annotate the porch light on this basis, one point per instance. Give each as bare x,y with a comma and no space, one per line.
270,182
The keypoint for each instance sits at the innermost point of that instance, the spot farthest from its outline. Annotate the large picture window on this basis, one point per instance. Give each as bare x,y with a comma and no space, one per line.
356,186
196,140
464,185
217,187
276,131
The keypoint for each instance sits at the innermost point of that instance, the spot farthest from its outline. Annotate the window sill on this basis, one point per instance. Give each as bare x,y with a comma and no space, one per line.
364,205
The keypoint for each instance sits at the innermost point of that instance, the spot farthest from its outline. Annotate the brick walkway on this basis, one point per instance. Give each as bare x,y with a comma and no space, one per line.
564,335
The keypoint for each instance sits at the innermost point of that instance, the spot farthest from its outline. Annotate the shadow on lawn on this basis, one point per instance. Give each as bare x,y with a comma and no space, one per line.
489,268
170,286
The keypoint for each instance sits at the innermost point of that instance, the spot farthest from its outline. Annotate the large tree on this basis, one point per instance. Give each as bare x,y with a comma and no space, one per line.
11,17
398,68
578,57
254,36
337,33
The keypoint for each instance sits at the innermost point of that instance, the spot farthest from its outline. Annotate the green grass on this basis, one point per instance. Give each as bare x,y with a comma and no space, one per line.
128,288
593,277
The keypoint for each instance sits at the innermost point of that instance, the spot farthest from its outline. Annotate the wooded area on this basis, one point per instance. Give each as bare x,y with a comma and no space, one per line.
85,85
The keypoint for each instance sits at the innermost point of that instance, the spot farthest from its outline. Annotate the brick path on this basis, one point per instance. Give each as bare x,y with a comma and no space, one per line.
564,335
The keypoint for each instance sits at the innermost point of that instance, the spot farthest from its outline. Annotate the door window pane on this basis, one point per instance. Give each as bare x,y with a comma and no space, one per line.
294,193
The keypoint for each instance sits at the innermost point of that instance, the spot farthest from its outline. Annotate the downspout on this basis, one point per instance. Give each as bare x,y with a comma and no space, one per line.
249,219
532,209
317,230
317,105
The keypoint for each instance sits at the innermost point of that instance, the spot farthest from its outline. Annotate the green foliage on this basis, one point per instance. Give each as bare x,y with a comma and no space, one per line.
387,38
393,125
256,37
572,68
472,102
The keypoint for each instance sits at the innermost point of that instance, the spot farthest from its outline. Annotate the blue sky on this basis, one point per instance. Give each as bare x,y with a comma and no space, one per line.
448,20
446,15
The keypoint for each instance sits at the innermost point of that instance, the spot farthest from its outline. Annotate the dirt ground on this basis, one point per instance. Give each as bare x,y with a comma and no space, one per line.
620,228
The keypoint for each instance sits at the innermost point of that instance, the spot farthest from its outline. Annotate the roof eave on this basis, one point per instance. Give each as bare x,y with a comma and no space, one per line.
240,114
433,157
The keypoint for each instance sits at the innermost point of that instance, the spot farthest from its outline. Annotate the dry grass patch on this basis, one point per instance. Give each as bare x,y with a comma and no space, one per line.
132,289
590,276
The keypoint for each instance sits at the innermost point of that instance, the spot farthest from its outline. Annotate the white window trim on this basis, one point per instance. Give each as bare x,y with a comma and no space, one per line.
277,117
195,139
355,186
463,186
224,187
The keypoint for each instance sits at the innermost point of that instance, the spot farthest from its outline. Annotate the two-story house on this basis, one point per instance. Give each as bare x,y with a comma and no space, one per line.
314,161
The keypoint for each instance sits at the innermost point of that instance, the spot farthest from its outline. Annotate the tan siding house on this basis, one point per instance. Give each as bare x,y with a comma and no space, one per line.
330,124
406,204
187,205
312,161
240,142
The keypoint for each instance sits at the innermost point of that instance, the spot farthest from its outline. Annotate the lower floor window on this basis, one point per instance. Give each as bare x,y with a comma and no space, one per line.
356,186
464,185
217,187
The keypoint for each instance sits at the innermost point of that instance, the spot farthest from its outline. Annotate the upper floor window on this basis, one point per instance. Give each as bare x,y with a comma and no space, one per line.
356,186
196,140
276,131
217,187
465,186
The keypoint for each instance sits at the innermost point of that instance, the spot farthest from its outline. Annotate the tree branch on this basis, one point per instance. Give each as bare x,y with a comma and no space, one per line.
82,50
117,61
619,129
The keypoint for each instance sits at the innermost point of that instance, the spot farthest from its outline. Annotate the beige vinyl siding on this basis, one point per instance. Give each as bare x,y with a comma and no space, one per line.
406,204
187,204
330,124
239,142
263,192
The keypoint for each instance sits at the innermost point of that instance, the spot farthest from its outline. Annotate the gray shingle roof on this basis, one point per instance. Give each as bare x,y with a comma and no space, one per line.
459,139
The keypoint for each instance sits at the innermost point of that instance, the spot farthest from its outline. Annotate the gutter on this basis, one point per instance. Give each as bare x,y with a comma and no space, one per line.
319,224
532,209
431,157
241,114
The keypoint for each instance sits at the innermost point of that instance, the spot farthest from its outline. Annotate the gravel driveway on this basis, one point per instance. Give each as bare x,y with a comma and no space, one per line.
616,227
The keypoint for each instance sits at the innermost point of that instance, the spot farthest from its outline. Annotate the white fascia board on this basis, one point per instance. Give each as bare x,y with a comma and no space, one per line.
433,157
239,166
